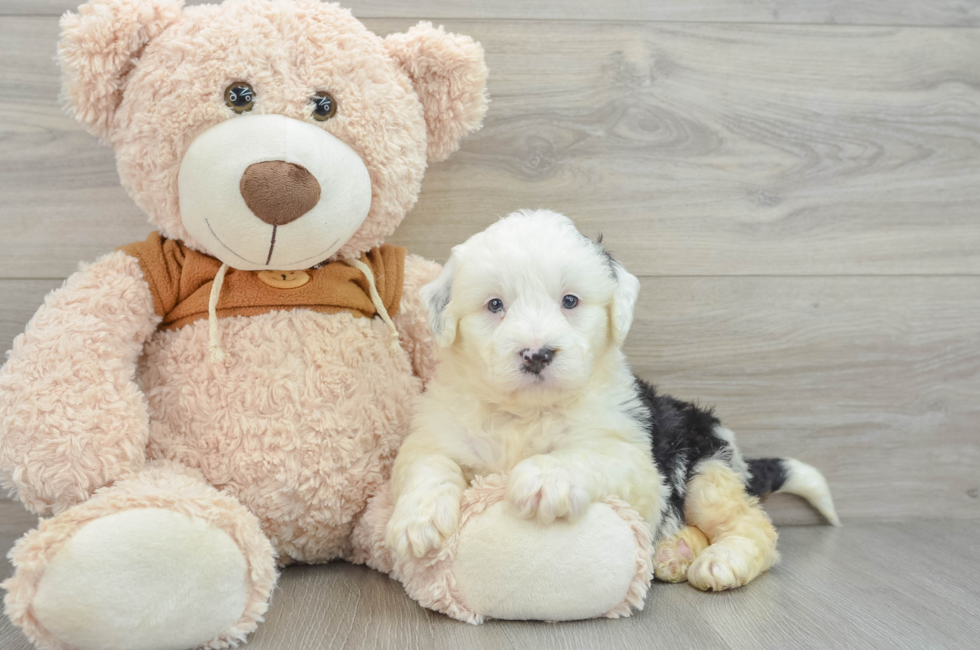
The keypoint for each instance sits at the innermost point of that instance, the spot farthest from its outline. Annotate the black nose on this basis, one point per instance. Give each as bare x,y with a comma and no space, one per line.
535,361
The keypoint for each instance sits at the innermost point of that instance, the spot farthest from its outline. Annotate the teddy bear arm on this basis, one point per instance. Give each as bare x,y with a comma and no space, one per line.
411,320
72,417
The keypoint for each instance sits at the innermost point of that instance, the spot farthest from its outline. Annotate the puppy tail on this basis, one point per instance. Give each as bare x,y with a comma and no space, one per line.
789,475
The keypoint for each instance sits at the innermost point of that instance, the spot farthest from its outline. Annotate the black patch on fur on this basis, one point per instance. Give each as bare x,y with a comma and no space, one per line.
610,261
681,436
767,475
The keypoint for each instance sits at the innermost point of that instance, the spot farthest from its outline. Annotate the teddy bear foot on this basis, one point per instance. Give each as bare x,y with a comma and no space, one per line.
156,571
146,578
499,564
509,567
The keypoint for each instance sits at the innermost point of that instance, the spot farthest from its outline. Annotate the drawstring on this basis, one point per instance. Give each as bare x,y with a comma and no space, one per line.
214,339
376,299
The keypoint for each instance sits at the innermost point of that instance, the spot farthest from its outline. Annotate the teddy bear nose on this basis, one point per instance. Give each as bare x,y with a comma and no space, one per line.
279,192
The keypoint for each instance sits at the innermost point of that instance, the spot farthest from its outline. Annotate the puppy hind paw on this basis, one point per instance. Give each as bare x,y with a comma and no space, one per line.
671,561
674,555
719,568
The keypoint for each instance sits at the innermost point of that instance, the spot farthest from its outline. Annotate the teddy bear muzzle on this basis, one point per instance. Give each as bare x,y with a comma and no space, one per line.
272,192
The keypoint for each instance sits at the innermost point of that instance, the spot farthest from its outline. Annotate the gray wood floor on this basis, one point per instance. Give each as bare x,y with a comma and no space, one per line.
867,585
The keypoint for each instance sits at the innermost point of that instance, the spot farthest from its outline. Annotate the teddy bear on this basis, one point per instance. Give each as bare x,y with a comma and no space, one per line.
192,412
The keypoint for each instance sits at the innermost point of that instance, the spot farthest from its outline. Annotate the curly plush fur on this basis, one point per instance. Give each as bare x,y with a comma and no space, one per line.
73,418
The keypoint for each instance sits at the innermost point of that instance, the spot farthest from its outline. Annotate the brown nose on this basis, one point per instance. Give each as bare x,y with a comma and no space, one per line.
279,192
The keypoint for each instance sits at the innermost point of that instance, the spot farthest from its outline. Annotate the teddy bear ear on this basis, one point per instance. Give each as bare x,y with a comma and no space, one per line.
449,76
98,49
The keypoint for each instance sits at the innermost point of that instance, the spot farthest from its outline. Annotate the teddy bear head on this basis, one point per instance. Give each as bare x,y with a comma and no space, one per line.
271,134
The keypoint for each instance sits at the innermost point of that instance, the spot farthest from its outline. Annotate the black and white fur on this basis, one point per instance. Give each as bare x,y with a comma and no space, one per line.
530,317
683,436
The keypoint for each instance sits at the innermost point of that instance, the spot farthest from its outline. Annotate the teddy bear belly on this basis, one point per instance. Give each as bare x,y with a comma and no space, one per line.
301,423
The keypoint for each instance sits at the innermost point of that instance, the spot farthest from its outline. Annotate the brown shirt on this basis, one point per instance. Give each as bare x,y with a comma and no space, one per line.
181,279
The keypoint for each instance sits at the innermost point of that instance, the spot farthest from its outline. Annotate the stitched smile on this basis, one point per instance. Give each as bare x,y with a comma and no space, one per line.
228,248
318,257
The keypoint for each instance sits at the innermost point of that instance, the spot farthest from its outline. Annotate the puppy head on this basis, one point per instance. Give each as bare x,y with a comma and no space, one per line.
530,305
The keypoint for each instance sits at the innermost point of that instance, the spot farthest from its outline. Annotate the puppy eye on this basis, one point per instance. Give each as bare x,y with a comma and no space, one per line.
496,305
324,106
240,97
569,302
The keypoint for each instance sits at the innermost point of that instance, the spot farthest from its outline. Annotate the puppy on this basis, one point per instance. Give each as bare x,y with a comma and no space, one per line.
530,316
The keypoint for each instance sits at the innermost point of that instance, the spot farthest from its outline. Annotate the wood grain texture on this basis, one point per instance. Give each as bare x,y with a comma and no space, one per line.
876,381
861,586
697,149
839,12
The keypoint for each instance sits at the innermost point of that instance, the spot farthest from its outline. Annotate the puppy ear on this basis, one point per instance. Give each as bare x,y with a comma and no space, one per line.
624,301
437,296
449,76
98,49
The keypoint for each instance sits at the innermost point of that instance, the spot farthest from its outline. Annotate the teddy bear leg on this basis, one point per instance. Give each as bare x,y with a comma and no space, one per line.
157,560
500,565
509,567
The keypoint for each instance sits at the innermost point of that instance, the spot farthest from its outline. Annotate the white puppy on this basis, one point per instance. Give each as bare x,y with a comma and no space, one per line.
530,315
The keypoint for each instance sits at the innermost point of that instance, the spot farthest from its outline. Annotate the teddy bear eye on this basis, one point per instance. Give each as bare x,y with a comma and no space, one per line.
324,106
240,97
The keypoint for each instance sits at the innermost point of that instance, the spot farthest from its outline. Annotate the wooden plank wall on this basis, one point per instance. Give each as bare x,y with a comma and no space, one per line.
797,182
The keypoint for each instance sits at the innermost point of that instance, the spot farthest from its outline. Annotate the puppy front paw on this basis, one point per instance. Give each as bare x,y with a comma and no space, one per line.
542,487
423,521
